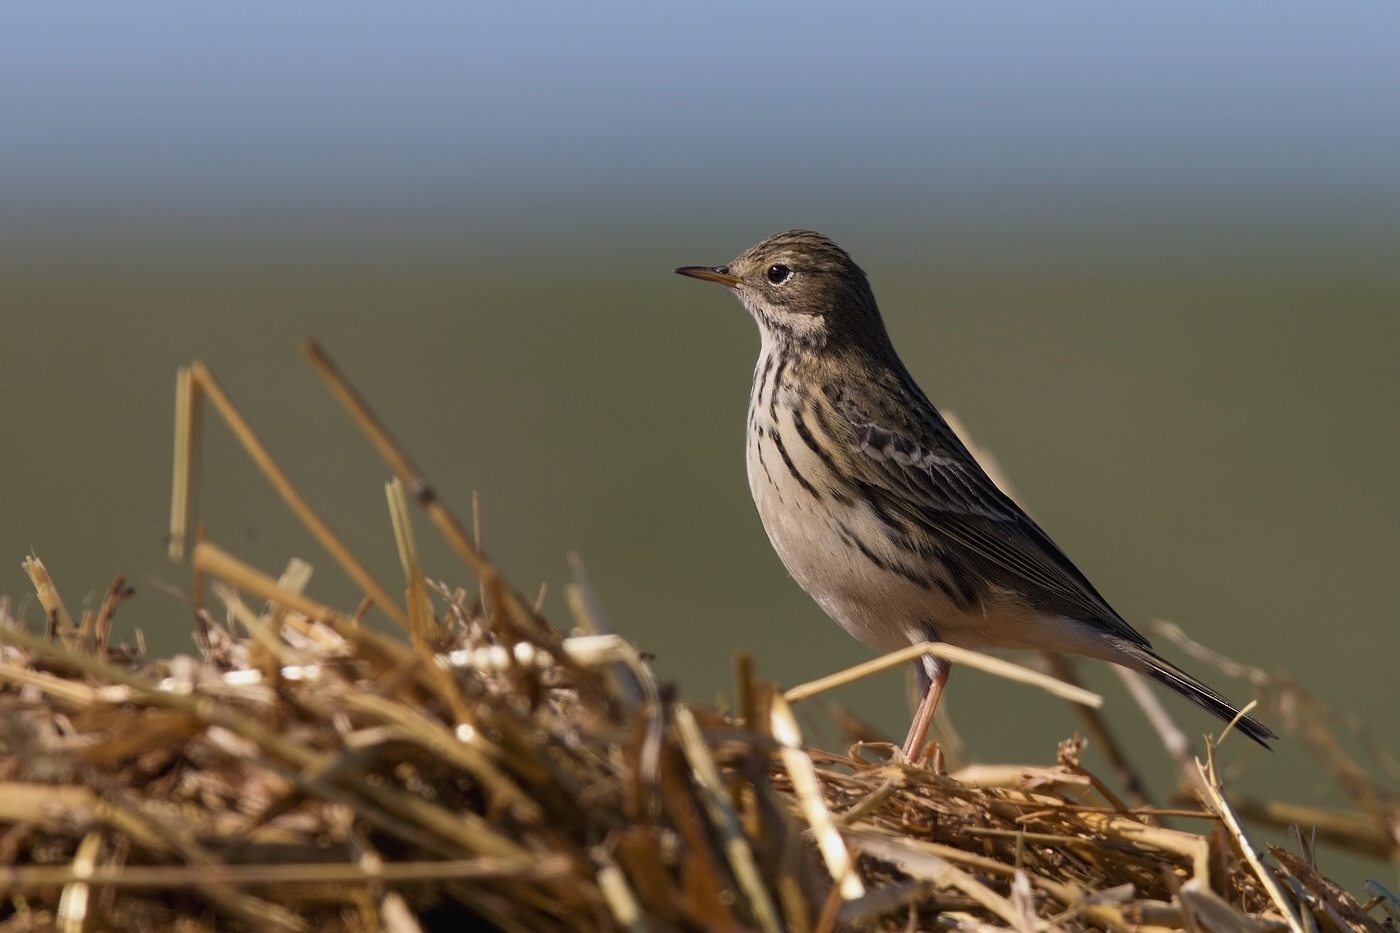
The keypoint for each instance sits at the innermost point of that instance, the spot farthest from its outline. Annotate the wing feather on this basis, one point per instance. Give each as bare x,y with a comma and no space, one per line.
938,486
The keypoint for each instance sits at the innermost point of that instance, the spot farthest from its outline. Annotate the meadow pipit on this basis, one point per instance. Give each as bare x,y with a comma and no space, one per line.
878,510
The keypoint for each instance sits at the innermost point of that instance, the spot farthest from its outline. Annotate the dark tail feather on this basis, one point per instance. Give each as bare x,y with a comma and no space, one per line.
1178,681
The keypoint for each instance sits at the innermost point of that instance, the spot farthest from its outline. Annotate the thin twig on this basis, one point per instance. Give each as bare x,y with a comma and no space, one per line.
264,461
984,662
1094,723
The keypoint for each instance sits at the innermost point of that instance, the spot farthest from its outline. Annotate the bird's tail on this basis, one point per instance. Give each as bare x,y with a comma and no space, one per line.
1144,661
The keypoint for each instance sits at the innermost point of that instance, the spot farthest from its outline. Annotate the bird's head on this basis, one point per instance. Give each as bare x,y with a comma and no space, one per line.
802,289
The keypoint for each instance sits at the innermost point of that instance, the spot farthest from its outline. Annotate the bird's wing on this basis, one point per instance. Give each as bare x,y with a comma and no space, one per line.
939,486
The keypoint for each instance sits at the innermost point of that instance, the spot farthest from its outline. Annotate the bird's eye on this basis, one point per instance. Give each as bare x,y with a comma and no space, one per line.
779,274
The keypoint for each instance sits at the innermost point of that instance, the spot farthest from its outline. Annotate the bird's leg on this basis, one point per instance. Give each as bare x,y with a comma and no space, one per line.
923,718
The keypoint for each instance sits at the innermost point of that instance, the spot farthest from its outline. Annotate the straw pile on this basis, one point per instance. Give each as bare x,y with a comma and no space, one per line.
485,770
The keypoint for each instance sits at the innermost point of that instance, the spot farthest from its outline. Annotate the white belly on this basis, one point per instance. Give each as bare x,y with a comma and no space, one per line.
814,531
812,536
879,608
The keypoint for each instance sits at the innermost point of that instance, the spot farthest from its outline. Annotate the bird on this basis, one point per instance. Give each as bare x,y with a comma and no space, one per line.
879,511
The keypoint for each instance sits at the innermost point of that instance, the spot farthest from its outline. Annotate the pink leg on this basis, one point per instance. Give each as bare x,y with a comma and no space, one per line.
923,718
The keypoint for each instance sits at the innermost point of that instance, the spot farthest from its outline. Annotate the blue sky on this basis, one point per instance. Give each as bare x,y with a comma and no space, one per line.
404,105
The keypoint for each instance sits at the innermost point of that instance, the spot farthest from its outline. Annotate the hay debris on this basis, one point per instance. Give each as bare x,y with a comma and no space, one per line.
304,771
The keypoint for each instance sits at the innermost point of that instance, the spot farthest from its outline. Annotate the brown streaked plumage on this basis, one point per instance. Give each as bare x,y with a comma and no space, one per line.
879,511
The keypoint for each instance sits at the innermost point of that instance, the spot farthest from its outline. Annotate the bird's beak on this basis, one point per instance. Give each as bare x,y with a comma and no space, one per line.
718,274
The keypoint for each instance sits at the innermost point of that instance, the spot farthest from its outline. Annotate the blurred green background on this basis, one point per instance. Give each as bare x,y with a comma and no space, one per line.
1147,256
